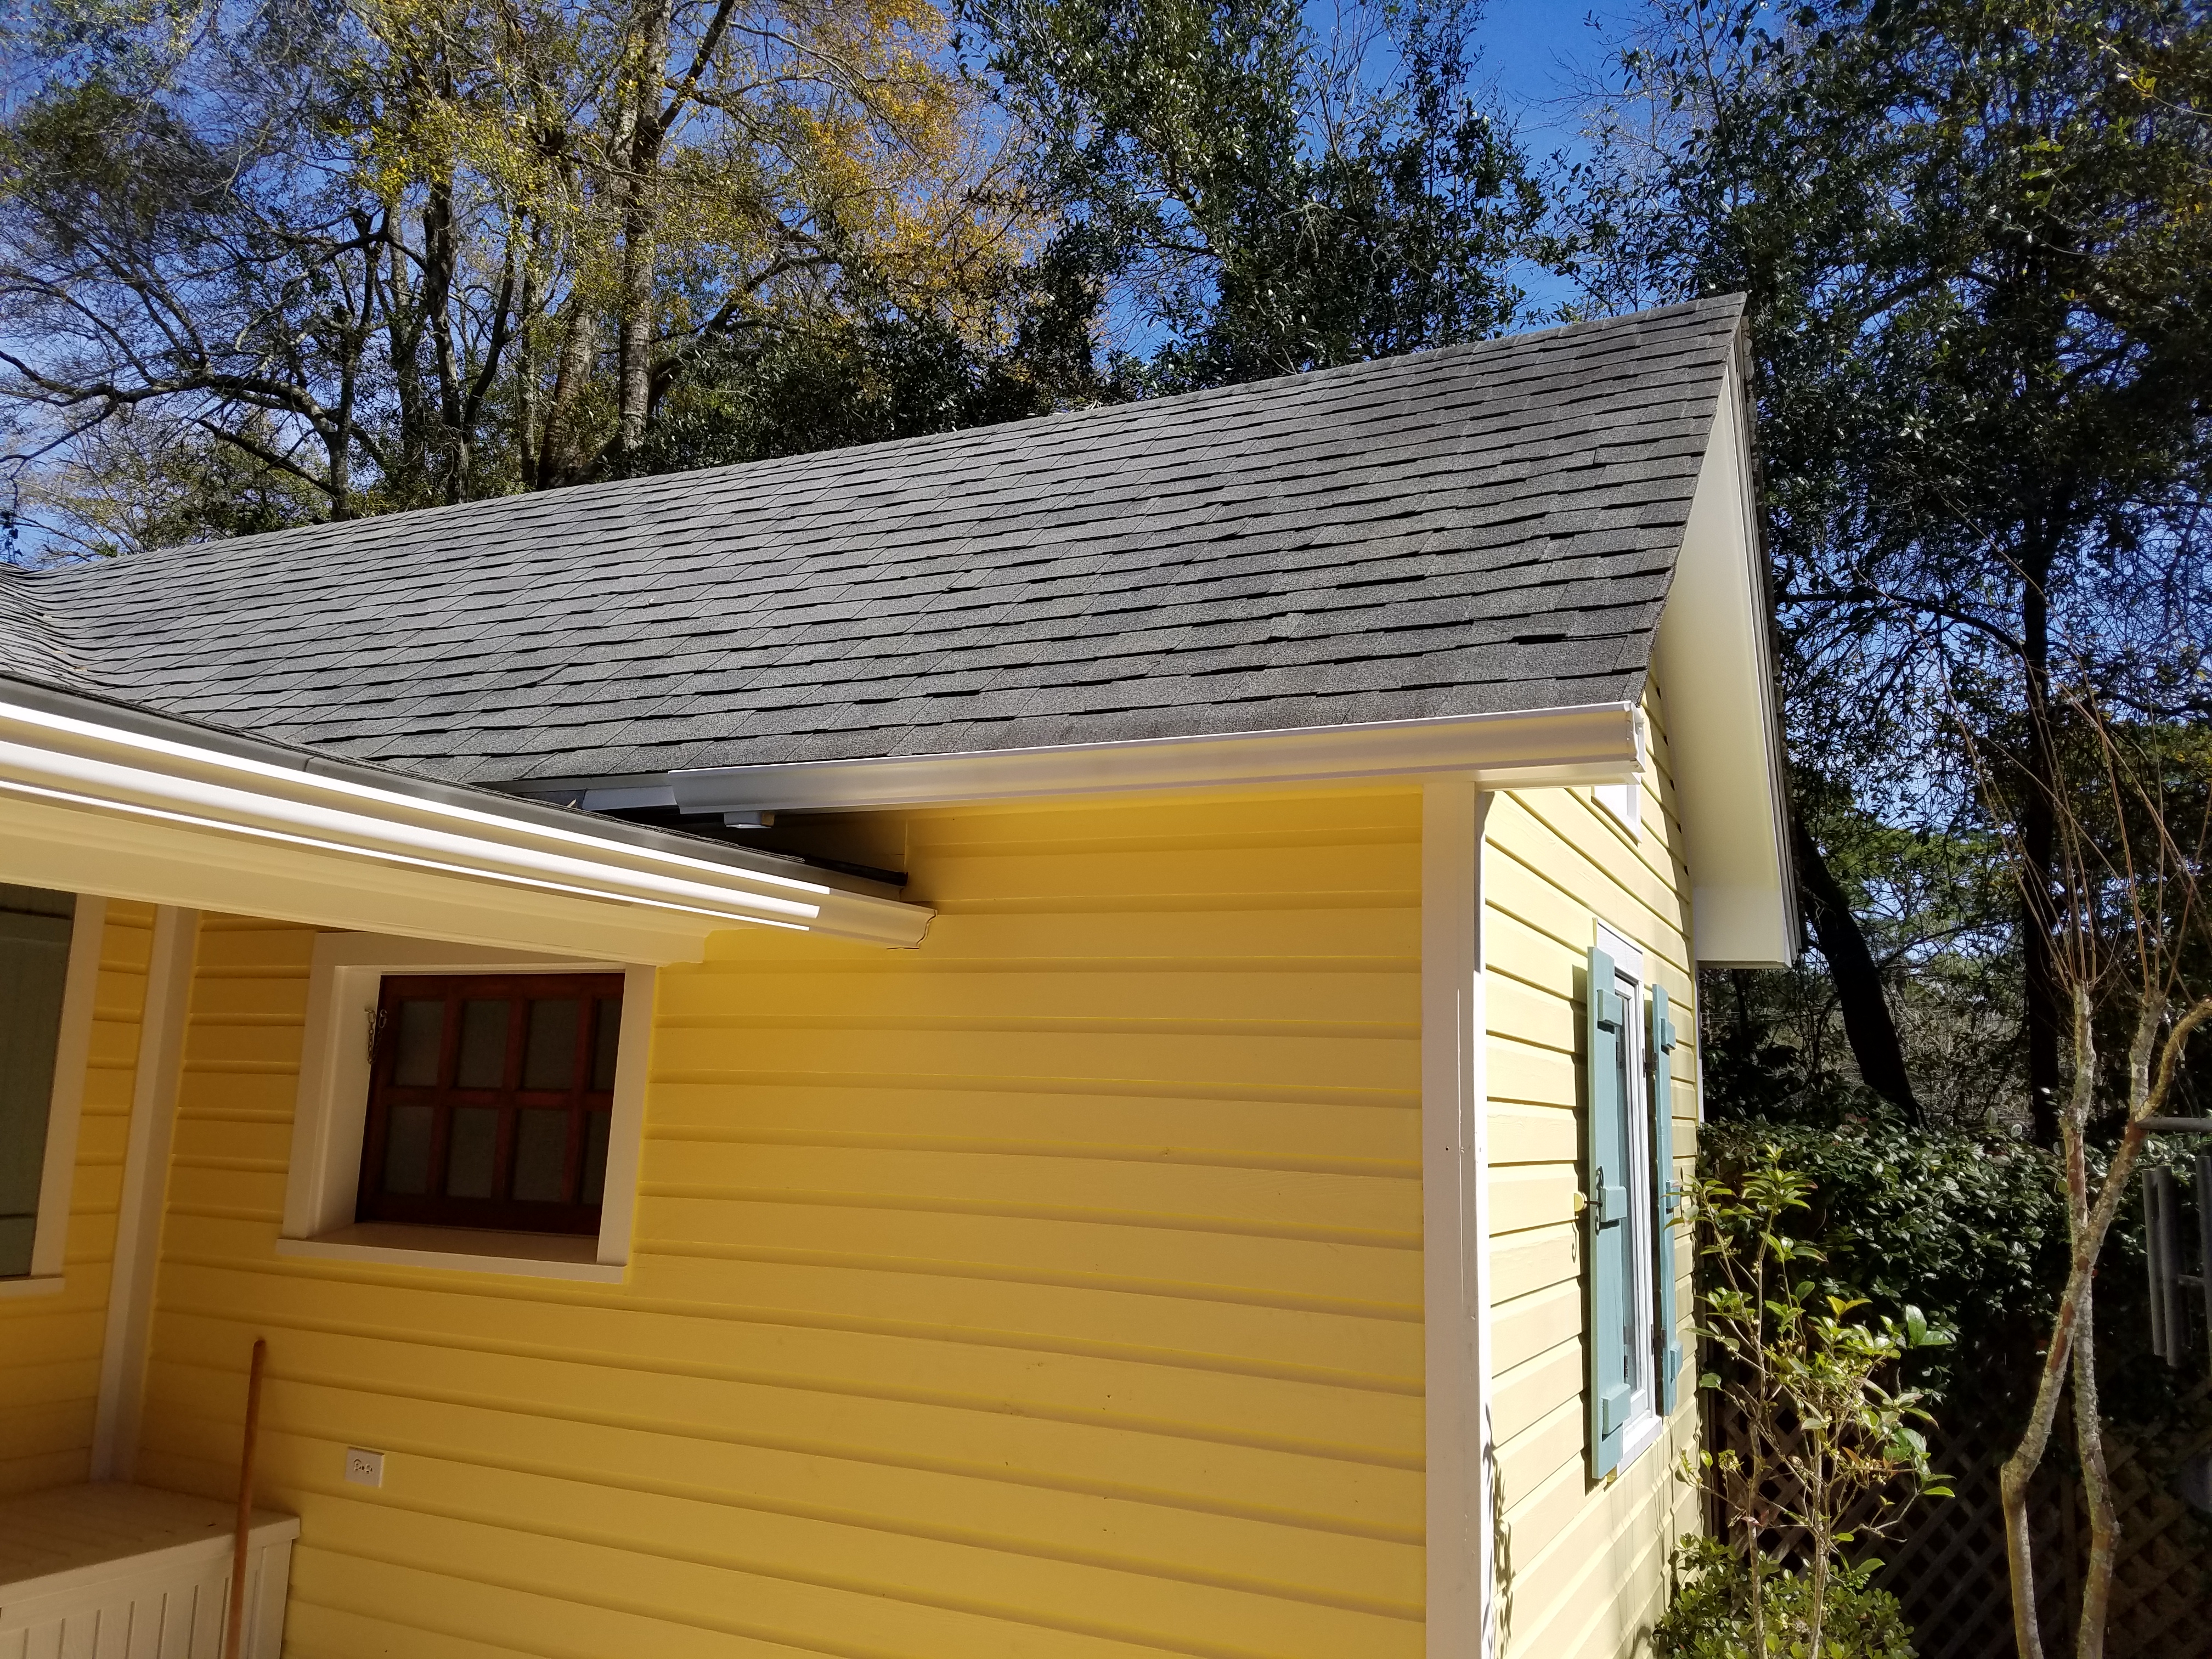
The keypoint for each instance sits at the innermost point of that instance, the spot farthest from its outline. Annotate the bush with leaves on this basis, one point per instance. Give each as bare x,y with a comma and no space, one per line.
1711,1606
1972,1230
1830,1444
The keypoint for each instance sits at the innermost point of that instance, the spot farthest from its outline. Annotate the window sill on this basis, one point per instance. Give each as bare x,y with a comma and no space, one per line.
36,1285
1645,1432
462,1249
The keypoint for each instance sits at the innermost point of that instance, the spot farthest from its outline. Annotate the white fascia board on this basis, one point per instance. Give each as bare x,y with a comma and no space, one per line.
116,802
1716,667
1593,743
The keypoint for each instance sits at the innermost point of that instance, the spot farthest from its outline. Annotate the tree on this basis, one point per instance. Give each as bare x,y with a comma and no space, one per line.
2132,936
1260,199
824,378
1976,244
413,250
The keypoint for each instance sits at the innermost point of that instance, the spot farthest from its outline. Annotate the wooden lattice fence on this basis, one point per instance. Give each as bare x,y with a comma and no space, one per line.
1946,1564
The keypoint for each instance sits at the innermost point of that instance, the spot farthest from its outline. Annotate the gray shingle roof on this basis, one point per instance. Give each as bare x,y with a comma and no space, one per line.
1485,528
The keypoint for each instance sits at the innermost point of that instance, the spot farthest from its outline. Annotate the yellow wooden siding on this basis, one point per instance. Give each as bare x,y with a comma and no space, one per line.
50,1345
1052,1289
1581,1565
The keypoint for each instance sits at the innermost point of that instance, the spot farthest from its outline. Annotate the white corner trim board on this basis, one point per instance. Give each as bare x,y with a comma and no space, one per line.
1455,1223
121,1399
331,1112
225,826
1596,743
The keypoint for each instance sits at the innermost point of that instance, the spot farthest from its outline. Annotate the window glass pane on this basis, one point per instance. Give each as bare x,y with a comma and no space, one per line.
34,941
501,1070
483,1046
606,1036
549,1055
541,1156
420,1024
407,1150
594,1188
469,1156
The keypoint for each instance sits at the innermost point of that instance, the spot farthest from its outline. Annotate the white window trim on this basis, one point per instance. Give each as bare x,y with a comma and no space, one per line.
1649,1426
324,1184
65,1106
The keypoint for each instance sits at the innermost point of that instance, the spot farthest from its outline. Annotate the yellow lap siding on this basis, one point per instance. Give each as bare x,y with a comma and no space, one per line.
49,1346
1580,1564
1053,1289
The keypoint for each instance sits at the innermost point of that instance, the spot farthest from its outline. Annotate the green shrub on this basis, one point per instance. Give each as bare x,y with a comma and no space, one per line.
1711,1615
1973,1233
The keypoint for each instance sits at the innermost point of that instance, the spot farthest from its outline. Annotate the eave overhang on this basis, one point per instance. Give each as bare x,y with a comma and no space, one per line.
1596,743
98,798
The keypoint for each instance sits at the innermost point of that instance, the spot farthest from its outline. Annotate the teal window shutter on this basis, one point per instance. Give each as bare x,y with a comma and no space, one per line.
1665,1200
1610,1254
34,945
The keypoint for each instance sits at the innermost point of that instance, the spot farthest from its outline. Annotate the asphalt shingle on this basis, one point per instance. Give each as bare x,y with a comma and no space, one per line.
1479,529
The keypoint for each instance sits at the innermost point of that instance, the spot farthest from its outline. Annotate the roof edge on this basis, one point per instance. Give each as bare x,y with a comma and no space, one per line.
108,795
1715,659
1593,743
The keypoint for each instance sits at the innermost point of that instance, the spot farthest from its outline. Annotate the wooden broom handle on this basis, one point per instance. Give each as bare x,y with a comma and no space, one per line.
234,1626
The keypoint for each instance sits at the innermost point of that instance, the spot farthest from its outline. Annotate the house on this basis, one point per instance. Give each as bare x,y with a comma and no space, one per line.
1064,1041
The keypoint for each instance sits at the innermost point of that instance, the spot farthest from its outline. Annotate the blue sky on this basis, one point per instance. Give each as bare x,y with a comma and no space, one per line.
1535,57
1530,51
1533,53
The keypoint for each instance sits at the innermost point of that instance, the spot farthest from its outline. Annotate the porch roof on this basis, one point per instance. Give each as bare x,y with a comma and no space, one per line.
100,797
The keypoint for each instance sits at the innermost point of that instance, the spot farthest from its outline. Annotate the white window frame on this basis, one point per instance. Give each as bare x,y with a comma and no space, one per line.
65,1105
1647,1424
322,1188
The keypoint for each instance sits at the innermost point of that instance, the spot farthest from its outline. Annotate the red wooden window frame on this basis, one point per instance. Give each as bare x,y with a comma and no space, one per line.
599,1023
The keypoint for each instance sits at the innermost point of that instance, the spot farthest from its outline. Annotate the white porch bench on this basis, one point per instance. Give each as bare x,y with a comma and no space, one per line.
114,1572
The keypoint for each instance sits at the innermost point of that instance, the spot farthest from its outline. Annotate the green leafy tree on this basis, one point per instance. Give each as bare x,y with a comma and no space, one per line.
1976,242
404,252
1264,199
2132,933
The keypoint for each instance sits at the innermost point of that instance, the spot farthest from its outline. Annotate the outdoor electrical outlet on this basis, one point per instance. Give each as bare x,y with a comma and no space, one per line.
364,1468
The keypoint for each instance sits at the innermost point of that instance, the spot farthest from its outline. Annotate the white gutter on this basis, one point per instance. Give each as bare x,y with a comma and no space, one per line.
68,756
1592,743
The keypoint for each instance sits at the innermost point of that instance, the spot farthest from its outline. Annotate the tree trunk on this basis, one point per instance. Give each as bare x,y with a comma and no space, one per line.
1867,1022
526,380
2097,1484
439,257
560,460
640,153
2043,1015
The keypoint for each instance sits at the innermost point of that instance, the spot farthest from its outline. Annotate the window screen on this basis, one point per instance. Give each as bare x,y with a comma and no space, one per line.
35,948
490,1098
